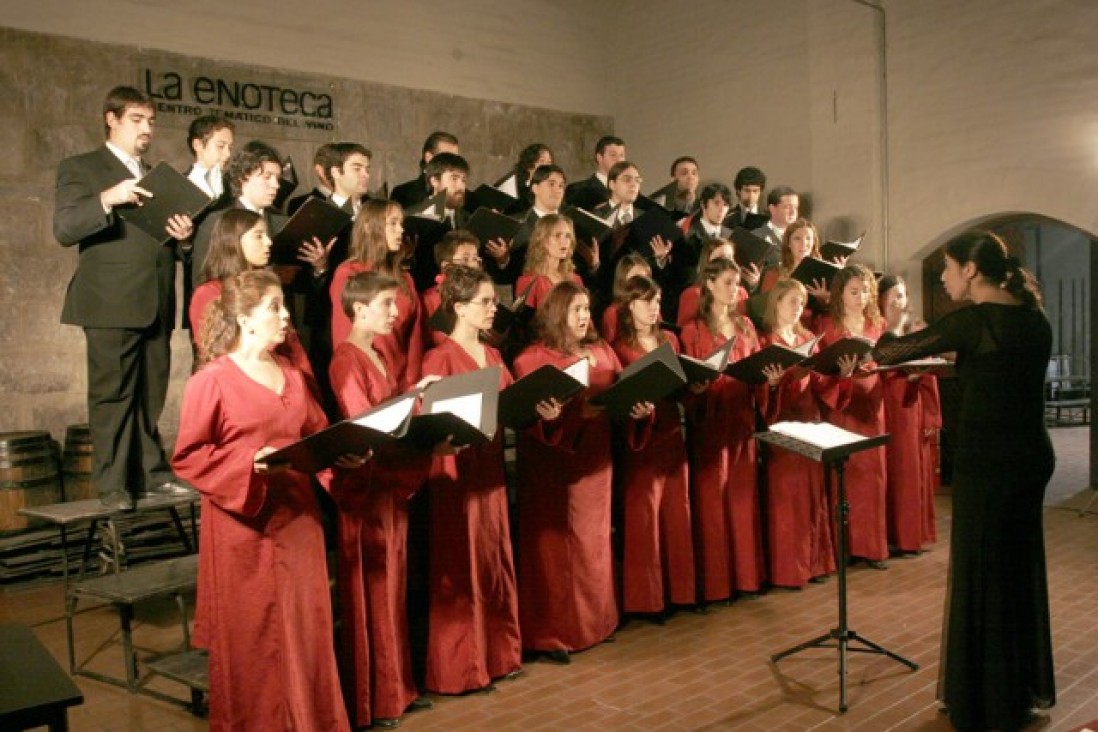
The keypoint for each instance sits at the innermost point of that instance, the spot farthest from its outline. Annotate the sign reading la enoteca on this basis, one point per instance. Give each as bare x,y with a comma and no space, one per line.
239,100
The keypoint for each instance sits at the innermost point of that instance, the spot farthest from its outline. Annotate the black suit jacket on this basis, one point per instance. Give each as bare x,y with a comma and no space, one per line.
124,278
411,192
587,193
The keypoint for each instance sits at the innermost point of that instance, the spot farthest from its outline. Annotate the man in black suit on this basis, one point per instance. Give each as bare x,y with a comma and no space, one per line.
123,296
323,159
749,185
210,139
783,204
418,189
594,191
505,262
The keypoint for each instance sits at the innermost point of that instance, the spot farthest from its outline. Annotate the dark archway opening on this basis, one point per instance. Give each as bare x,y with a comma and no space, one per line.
1061,257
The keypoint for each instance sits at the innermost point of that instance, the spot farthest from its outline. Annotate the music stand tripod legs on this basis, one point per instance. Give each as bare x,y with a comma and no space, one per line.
843,636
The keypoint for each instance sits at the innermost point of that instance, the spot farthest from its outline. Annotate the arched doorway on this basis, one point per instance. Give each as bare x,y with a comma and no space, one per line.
1061,257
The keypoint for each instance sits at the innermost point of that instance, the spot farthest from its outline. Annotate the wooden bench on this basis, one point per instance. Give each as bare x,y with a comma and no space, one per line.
34,691
148,581
190,668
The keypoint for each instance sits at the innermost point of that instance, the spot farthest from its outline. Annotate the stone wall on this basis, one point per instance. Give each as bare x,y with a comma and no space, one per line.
53,89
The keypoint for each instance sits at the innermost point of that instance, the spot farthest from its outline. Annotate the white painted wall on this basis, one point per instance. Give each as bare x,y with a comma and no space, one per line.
536,52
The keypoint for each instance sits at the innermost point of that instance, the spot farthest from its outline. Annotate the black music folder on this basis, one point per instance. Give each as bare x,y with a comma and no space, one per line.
491,197
749,248
811,269
831,249
463,407
827,360
386,423
655,376
518,402
316,217
173,195
518,312
588,226
701,370
487,225
750,369
654,222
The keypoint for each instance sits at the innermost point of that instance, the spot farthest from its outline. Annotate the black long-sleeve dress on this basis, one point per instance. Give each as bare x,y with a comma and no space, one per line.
997,655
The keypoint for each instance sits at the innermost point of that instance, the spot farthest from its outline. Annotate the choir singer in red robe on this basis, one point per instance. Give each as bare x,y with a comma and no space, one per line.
474,624
261,557
566,572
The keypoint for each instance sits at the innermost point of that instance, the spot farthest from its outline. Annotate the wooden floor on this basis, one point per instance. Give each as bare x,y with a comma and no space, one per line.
700,672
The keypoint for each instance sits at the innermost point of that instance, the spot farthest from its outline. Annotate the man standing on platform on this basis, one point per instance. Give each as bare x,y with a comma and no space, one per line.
123,296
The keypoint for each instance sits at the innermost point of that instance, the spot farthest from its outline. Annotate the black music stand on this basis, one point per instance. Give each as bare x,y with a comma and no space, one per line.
835,458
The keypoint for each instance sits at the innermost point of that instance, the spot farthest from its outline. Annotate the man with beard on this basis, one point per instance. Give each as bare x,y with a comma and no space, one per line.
123,296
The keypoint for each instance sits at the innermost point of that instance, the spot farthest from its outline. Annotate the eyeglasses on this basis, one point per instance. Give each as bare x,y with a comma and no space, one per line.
467,260
486,302
630,178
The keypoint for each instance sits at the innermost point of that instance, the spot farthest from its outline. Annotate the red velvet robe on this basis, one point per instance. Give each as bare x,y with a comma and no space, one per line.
541,288
658,551
373,552
858,406
566,571
724,472
474,620
910,409
691,298
262,570
798,515
291,349
404,347
609,322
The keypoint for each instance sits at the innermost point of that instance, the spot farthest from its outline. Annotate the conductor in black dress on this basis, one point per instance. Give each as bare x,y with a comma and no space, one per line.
123,296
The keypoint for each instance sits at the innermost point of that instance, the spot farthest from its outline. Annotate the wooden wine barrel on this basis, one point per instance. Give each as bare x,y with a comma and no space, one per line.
29,476
76,463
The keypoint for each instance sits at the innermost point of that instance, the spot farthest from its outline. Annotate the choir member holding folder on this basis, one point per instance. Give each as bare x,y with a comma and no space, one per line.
798,511
549,258
857,405
263,580
376,247
373,520
713,249
800,241
457,247
912,415
724,456
658,552
567,600
474,622
239,243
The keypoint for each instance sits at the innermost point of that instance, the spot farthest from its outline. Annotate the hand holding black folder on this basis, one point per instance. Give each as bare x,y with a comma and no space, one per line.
316,218
810,270
749,249
487,225
703,370
827,360
655,376
832,249
171,194
751,370
518,403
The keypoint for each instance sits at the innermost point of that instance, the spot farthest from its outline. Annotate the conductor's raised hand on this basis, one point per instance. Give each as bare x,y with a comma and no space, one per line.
124,193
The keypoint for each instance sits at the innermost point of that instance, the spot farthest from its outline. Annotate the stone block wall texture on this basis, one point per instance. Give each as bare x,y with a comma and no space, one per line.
53,89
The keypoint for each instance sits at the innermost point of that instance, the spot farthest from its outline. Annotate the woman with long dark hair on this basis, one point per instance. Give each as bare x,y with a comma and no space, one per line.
997,658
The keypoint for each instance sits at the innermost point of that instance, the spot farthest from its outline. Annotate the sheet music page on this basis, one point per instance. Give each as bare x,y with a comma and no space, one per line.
819,434
919,363
805,349
719,359
580,371
390,418
509,186
468,407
